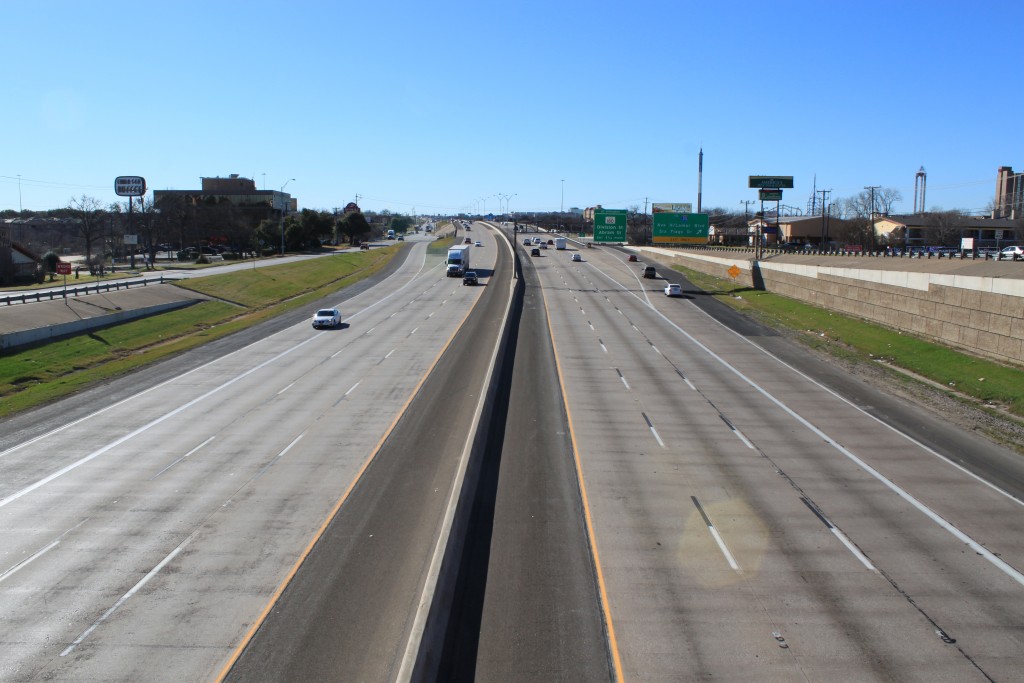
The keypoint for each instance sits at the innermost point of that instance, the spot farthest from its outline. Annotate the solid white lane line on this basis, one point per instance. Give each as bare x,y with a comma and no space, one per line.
181,458
124,598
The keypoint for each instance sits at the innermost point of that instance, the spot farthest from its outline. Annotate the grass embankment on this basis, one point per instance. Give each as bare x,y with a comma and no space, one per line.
854,339
440,246
39,374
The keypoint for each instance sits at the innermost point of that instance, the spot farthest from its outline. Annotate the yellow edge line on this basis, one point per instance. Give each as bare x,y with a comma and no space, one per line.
334,511
612,642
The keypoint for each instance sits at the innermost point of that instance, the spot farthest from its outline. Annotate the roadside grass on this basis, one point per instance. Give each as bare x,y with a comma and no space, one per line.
959,373
440,246
36,375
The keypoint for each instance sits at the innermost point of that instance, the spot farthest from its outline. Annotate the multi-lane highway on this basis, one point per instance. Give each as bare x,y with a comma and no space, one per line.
663,491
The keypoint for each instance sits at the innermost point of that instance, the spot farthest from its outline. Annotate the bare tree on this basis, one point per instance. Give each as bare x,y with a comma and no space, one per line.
88,212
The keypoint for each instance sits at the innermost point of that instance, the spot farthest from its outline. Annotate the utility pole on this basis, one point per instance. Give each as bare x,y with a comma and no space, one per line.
700,175
824,214
872,189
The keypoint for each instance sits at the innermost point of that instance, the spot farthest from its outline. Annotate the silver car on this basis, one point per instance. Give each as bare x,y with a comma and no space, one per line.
327,317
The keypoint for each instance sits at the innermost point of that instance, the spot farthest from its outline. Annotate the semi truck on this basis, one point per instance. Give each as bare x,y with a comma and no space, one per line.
559,243
458,260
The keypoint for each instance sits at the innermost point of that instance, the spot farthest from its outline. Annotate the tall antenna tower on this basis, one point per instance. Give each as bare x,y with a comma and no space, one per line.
920,180
813,208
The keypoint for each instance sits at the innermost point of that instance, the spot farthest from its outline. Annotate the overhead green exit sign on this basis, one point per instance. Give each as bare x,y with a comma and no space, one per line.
770,182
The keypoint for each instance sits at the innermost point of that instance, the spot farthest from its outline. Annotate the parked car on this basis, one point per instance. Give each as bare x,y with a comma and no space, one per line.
673,289
650,273
1011,253
535,252
327,317
632,258
577,257
470,278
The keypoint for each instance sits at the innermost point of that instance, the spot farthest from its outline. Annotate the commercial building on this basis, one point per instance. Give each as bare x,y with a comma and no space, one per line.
1009,202
239,191
17,264
946,229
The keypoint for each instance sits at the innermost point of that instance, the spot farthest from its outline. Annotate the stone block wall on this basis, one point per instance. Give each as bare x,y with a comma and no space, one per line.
982,315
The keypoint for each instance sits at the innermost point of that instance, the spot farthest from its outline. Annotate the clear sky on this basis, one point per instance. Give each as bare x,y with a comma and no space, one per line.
439,106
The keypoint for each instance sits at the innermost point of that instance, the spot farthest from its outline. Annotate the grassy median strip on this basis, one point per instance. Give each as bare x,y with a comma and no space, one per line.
43,373
855,339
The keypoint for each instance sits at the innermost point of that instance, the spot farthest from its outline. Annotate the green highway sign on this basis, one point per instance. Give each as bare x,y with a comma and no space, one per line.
680,228
771,182
610,225
769,195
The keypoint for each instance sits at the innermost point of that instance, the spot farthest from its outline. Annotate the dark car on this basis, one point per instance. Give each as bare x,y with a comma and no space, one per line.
650,273
632,258
470,278
535,252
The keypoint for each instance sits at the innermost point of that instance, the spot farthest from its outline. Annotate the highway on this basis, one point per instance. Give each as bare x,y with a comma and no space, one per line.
750,523
147,538
659,489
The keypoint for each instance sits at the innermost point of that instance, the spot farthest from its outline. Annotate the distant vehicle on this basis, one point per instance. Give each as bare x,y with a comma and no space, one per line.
527,242
559,243
469,278
650,273
577,257
543,245
792,246
632,258
365,245
478,243
467,241
327,317
1011,253
536,240
391,234
673,290
551,242
535,252
401,238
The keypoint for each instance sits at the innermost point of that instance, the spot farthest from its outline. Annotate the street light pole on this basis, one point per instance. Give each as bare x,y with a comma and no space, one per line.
561,206
284,212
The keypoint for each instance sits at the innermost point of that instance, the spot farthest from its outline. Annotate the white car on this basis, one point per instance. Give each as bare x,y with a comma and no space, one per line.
673,290
577,257
327,317
1011,253
479,243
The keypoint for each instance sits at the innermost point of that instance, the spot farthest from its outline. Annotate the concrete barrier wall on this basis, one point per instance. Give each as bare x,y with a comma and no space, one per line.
982,315
39,334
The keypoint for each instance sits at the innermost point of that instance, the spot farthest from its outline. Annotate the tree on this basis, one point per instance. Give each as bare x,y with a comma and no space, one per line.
400,224
88,212
353,225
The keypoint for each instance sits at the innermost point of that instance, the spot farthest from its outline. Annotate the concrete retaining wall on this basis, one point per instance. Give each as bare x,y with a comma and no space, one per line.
40,334
982,315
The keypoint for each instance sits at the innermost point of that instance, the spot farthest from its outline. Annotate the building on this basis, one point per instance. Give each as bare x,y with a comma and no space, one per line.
17,264
239,191
1009,202
803,229
946,229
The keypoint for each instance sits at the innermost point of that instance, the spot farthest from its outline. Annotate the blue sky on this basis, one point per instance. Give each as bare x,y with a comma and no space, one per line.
440,106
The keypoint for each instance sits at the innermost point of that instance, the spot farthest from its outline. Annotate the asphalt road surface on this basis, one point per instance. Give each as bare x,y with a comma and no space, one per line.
752,524
145,536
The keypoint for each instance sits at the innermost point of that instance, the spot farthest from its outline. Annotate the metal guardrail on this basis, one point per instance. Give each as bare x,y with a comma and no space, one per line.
81,290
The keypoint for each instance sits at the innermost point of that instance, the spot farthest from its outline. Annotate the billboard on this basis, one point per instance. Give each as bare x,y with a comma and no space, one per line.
610,225
129,186
672,208
680,228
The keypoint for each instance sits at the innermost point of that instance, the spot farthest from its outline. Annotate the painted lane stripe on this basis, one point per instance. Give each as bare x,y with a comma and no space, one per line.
978,548
714,534
650,426
39,553
277,457
839,534
181,458
286,388
124,598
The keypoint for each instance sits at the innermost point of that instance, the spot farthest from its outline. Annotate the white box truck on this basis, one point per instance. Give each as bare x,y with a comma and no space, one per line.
458,260
559,243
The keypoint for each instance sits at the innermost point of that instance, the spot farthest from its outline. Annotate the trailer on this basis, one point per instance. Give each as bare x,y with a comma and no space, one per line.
458,260
559,243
